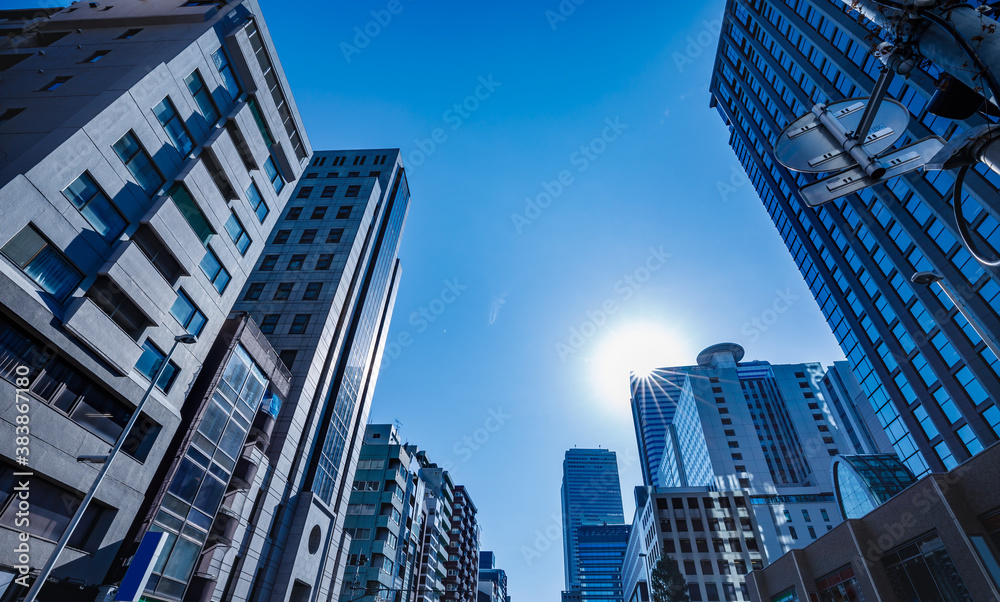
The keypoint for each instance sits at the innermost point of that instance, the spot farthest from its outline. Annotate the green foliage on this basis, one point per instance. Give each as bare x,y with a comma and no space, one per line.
667,582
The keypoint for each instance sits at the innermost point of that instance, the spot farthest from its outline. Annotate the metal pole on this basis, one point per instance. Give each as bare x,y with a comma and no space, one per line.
43,575
988,339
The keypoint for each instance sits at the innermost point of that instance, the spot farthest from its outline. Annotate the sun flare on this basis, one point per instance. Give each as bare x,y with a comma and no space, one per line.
637,348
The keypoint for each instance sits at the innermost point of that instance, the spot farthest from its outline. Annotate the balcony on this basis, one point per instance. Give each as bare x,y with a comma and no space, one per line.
243,474
92,327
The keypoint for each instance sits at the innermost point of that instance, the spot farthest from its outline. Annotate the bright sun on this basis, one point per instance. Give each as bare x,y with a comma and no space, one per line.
638,348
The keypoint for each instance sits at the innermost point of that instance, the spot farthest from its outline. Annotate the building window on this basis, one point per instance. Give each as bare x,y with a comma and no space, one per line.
335,235
217,275
57,505
157,253
313,290
312,175
272,174
294,213
299,324
72,392
238,233
257,202
295,263
923,570
791,531
42,262
268,323
287,357
187,313
173,125
283,291
268,263
324,261
150,362
353,190
95,206
254,291
196,86
137,160
318,213
328,192
55,83
186,204
374,174
308,236
258,117
304,192
226,72
118,306
129,34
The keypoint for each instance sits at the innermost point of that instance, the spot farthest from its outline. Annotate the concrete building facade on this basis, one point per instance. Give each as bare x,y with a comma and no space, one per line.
148,149
323,293
713,537
766,429
462,579
937,540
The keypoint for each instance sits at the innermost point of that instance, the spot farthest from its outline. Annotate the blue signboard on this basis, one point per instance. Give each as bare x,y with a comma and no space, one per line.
141,566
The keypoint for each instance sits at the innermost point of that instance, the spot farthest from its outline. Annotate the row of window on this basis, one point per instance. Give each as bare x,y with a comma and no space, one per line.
296,262
308,236
298,325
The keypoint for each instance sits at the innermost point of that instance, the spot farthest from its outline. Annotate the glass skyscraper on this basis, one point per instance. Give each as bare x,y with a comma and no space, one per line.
929,377
591,495
654,401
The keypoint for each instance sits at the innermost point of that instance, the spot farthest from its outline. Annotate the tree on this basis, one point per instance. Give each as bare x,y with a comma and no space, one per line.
667,582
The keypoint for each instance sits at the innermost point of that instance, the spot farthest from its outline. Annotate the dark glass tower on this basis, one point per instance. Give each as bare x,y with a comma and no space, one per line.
930,378
591,495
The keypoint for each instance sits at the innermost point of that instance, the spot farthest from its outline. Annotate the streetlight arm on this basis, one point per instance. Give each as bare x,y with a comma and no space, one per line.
43,575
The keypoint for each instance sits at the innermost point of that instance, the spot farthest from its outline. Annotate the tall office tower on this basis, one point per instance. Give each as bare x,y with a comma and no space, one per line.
591,495
492,580
323,294
463,549
384,519
147,150
654,398
928,375
764,429
711,535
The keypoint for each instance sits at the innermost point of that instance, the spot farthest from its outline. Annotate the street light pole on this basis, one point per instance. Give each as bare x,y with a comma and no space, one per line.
930,278
43,575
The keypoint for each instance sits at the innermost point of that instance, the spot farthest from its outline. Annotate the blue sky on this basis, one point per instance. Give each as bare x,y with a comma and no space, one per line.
656,223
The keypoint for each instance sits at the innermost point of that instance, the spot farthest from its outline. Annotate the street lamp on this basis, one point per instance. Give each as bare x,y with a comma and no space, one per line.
930,278
43,575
